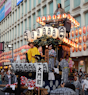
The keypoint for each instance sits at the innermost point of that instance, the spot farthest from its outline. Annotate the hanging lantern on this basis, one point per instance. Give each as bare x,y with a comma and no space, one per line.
55,33
33,35
84,29
50,30
76,32
39,32
69,35
38,19
80,31
49,17
69,16
84,38
54,17
87,28
76,40
80,47
87,37
45,30
72,33
59,16
80,39
43,18
76,49
64,15
84,47
73,49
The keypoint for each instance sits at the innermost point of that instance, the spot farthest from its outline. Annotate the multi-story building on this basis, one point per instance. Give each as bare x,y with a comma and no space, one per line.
23,16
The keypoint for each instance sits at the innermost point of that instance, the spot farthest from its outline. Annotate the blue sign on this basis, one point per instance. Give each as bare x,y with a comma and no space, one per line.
2,13
19,1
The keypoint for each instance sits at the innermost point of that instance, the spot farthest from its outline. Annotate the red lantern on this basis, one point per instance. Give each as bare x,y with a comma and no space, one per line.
76,32
84,38
49,17
80,47
80,31
43,18
69,16
87,28
76,40
73,49
72,33
59,16
84,29
87,37
64,15
38,19
84,47
73,40
54,17
80,39
76,49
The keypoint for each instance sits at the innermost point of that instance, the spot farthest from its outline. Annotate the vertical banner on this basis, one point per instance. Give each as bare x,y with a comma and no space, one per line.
39,75
7,7
1,48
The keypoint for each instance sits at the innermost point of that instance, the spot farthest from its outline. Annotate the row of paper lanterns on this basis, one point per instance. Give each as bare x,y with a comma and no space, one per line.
79,48
79,31
54,17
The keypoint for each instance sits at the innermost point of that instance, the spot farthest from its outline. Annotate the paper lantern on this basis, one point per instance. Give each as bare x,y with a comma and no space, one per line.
73,49
43,18
55,33
76,40
39,32
59,16
28,36
80,31
87,28
45,30
50,30
54,17
38,19
80,39
84,29
33,35
73,39
42,23
69,16
84,38
72,33
64,15
49,17
76,32
80,47
81,62
87,37
76,49
84,47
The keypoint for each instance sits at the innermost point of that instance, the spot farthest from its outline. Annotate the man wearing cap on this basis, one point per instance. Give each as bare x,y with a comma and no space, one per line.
32,52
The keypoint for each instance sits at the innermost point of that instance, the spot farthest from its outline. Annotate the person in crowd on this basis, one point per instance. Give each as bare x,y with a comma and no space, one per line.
85,86
77,85
0,78
32,52
80,75
65,69
52,58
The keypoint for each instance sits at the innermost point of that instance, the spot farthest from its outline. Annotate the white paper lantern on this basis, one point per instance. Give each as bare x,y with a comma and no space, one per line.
30,67
50,30
45,30
45,67
26,34
39,32
33,35
62,32
55,33
17,67
21,67
26,67
29,36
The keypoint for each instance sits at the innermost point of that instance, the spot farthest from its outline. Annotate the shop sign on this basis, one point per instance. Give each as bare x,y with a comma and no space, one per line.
39,75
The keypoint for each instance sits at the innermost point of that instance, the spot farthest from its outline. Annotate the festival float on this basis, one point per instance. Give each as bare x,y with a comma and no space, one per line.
54,30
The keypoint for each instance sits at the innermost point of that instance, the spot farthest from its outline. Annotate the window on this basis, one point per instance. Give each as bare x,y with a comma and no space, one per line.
34,21
58,1
19,13
18,45
86,0
22,10
39,15
16,15
25,24
13,17
29,5
26,7
34,3
13,33
29,23
86,18
8,36
76,3
44,11
39,1
22,28
67,5
18,30
51,8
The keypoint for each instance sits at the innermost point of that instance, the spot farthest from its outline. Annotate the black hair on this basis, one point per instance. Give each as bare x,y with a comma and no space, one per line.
60,5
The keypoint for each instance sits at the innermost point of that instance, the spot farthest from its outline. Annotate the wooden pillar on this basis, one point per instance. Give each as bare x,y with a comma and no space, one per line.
47,56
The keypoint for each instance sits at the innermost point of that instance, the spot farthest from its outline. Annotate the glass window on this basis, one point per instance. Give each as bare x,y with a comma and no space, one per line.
86,0
39,1
51,8
22,10
86,18
22,28
29,5
26,7
39,15
29,23
34,21
25,24
13,17
58,1
76,3
16,15
44,11
34,3
21,43
67,5
18,30
19,13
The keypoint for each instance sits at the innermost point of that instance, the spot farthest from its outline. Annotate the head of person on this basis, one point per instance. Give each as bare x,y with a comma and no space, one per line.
75,78
61,58
50,47
40,49
31,44
59,5
67,56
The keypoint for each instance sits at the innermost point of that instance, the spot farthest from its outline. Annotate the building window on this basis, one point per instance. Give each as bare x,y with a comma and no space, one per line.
13,17
29,5
18,30
22,28
29,23
22,11
26,7
86,18
51,8
44,11
21,43
19,13
16,15
76,3
25,24
34,3
34,21
67,5
58,1
86,0
39,15
39,1
13,33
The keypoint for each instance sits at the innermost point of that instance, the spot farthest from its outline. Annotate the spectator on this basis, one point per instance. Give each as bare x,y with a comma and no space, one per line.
0,78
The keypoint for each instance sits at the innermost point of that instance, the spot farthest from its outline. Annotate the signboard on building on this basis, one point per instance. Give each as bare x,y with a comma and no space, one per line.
2,2
39,75
2,13
19,1
7,7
